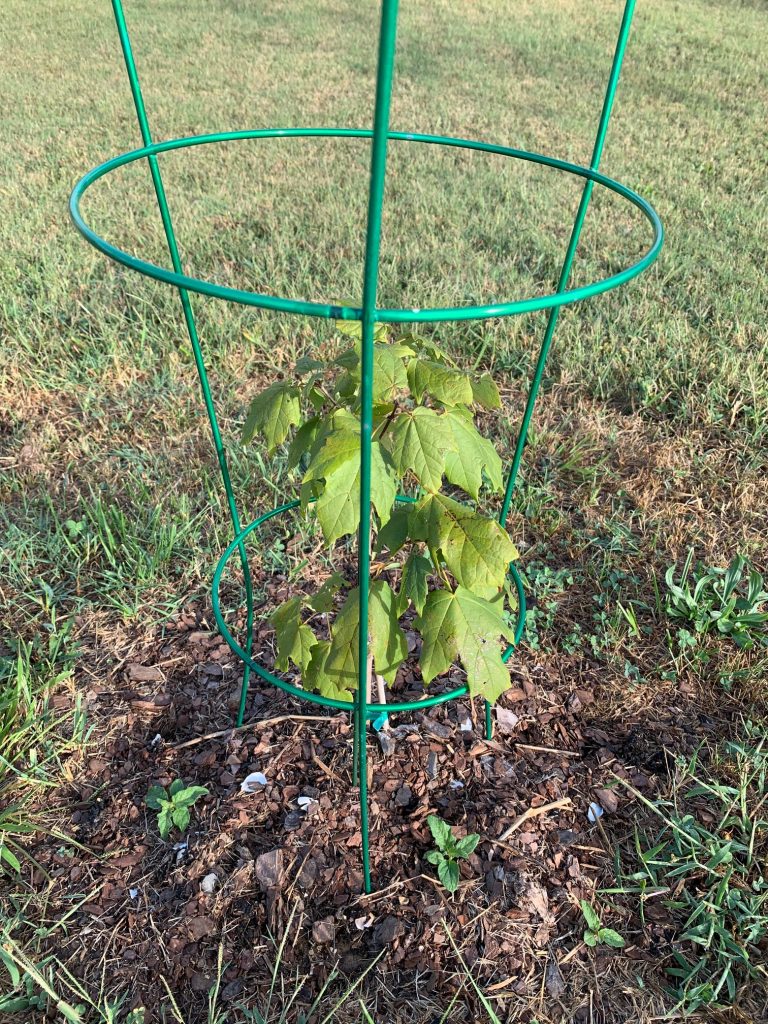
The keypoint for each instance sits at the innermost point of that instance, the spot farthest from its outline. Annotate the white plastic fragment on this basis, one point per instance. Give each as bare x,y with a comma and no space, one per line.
595,811
456,784
466,725
208,884
305,802
133,893
361,923
251,782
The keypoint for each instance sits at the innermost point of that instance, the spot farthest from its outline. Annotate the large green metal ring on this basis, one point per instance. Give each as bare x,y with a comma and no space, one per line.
339,312
329,702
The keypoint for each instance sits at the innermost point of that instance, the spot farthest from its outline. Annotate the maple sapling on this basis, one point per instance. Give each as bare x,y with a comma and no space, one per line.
446,563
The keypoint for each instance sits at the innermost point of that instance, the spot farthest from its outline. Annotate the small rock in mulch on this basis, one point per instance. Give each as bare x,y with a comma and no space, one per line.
269,868
292,821
506,720
404,796
324,931
145,674
232,990
442,732
387,743
553,979
388,930
200,926
432,765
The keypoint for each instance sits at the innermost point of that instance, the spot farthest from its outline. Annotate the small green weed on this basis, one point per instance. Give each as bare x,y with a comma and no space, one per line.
595,934
546,584
33,991
172,805
449,851
719,600
710,856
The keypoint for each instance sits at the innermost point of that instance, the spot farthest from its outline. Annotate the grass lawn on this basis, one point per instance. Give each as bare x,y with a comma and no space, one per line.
650,438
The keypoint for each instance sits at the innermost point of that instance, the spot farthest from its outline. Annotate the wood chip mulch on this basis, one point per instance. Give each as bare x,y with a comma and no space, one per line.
285,858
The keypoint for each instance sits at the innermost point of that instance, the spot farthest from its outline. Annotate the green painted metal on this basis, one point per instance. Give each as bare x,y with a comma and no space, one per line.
565,273
573,242
340,312
373,709
362,708
189,319
370,286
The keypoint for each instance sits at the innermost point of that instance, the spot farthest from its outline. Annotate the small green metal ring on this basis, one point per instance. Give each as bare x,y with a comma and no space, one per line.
315,698
340,312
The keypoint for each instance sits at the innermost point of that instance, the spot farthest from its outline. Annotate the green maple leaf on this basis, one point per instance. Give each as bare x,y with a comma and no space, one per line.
419,441
322,600
338,464
295,640
444,384
416,573
354,328
338,507
333,446
485,392
342,661
470,454
273,413
388,644
306,364
303,440
394,534
462,625
425,346
389,376
426,518
316,678
475,548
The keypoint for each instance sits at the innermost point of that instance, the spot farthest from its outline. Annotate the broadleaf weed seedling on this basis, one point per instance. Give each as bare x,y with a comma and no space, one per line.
724,601
595,934
449,851
173,805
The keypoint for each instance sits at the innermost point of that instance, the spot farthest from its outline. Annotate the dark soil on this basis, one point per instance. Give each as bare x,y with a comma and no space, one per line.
139,915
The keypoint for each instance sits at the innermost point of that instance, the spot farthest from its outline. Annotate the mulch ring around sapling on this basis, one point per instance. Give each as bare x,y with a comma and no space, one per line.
265,859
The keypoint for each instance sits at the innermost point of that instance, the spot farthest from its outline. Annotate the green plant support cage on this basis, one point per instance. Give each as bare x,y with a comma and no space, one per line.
368,314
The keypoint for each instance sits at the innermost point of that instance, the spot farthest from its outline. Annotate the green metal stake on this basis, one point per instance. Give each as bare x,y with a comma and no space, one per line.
370,285
565,273
170,236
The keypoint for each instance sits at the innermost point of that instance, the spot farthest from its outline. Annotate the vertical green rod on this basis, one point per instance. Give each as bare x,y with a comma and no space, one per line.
170,236
565,273
370,283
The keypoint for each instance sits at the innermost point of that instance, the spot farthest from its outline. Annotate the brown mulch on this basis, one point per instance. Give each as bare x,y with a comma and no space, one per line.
139,915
